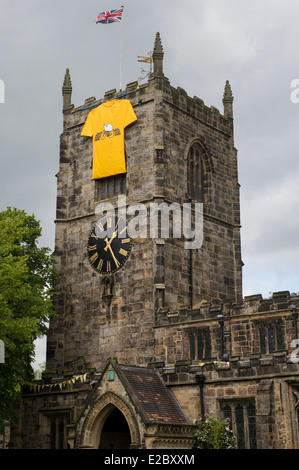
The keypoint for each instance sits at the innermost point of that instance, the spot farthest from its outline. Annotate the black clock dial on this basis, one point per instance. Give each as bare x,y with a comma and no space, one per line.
109,245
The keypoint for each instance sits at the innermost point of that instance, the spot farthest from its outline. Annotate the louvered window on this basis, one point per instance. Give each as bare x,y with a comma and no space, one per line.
195,173
106,188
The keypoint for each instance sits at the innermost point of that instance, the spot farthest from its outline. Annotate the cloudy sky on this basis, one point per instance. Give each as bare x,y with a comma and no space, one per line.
253,44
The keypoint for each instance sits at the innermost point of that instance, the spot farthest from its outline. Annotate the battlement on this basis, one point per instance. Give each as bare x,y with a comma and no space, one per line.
280,302
279,363
254,333
139,94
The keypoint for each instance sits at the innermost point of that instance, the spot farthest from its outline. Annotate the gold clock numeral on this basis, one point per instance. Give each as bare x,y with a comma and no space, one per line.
92,247
100,265
123,252
100,226
109,222
93,258
125,240
108,266
93,236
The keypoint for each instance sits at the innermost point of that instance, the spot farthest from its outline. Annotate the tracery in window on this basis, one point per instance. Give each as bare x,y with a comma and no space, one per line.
195,173
242,419
58,431
271,337
200,344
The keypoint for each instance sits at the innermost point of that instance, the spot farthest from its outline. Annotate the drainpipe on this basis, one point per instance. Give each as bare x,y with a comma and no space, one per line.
191,262
295,316
224,356
191,280
200,378
221,324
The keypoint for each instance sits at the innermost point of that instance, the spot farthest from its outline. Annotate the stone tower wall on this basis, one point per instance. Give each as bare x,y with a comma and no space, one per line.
98,317
146,313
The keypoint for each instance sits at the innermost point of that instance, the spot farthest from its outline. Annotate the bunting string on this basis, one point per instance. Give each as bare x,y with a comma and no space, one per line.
58,385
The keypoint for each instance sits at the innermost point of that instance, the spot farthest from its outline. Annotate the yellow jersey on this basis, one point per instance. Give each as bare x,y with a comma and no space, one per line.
106,124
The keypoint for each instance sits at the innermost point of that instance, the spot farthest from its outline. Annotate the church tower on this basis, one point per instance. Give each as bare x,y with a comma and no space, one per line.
151,330
178,151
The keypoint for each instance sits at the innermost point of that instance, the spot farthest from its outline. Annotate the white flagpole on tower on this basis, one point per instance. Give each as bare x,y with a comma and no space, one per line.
121,50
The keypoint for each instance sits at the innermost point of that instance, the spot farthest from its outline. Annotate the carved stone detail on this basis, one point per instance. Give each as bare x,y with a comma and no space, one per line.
95,420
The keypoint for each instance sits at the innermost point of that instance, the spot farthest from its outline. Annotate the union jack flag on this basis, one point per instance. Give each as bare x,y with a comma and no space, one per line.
112,16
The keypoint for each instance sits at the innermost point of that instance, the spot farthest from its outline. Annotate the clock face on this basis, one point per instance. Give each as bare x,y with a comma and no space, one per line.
109,245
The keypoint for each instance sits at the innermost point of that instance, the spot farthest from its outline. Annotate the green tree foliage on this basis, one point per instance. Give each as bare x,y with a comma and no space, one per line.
39,372
214,433
27,277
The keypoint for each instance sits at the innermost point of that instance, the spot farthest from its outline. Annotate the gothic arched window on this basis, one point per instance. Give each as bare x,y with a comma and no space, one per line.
200,168
195,173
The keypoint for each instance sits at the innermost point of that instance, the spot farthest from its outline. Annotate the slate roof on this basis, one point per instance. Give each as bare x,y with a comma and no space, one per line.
155,399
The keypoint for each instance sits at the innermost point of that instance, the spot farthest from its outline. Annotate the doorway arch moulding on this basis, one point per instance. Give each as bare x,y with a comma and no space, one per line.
96,418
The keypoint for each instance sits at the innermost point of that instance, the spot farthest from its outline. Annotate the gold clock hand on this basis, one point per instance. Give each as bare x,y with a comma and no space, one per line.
113,256
108,243
93,235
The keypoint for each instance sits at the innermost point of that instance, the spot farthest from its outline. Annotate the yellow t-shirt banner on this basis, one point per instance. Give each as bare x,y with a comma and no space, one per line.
106,124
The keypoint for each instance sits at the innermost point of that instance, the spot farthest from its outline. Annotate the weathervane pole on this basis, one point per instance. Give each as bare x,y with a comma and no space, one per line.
121,50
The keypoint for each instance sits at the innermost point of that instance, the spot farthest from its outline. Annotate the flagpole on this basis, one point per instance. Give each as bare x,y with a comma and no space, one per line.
121,51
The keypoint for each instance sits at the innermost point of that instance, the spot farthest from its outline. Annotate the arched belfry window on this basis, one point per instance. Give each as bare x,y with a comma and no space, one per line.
199,167
195,189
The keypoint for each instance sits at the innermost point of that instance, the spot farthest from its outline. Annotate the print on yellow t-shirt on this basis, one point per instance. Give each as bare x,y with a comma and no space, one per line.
106,124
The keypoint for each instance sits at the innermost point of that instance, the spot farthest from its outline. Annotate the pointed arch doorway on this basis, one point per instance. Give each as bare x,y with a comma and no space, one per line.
110,423
115,432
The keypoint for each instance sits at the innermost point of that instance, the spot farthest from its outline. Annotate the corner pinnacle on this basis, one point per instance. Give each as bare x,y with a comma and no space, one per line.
67,90
158,55
228,100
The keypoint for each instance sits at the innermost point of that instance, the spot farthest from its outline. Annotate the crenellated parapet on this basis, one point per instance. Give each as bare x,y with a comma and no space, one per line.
254,368
279,303
138,94
253,333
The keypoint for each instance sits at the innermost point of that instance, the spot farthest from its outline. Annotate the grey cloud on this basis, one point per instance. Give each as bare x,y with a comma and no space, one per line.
254,45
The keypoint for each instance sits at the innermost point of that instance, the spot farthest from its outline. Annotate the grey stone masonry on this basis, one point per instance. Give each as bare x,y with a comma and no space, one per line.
159,273
170,313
